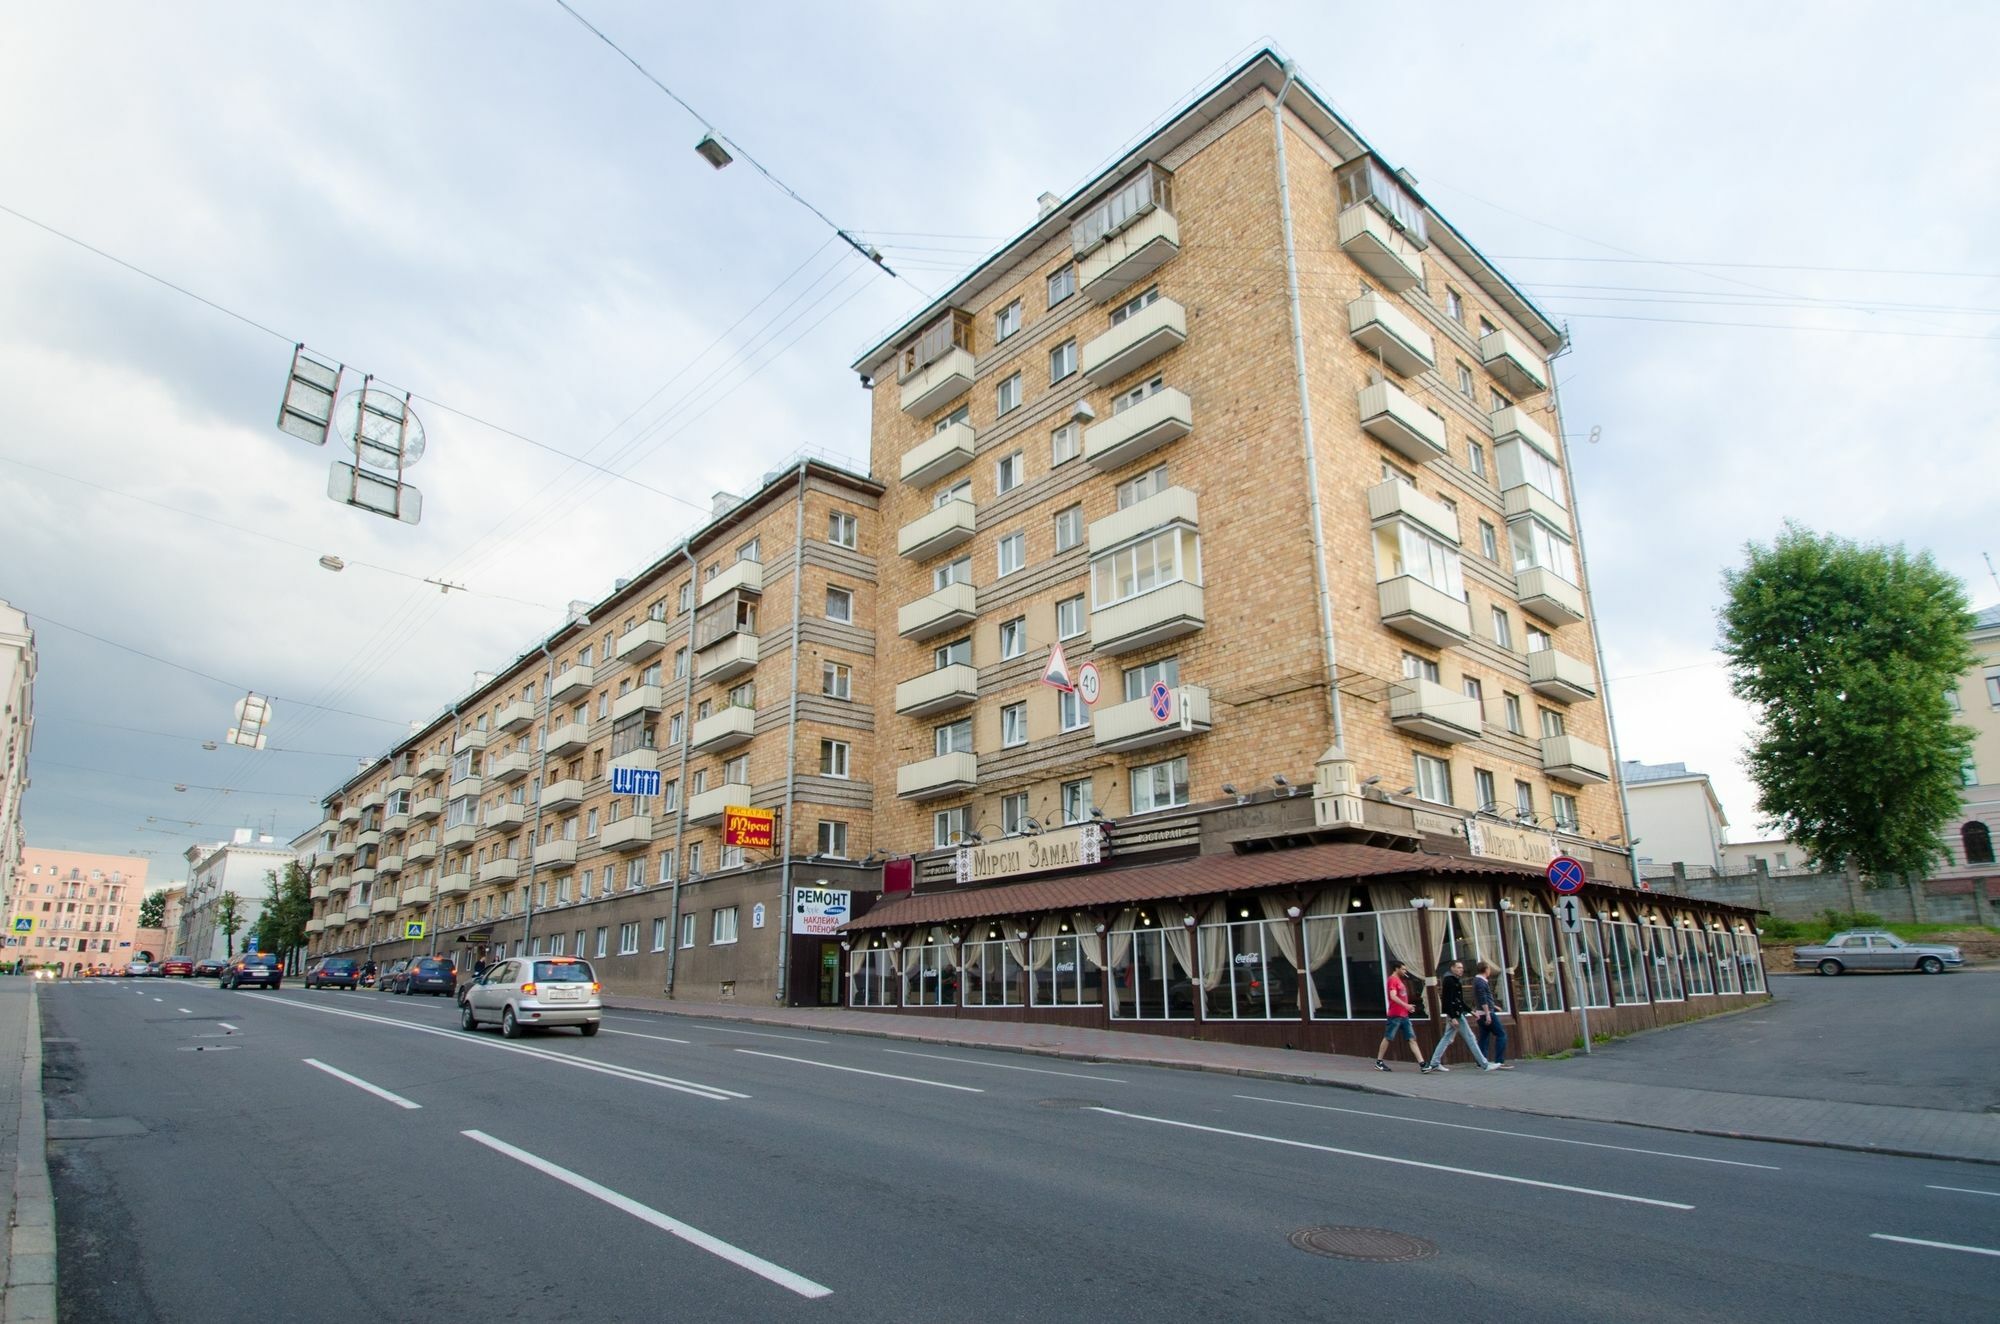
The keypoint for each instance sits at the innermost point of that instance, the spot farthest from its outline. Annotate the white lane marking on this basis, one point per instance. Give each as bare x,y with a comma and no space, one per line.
226,1025
360,1084
862,1071
693,1236
1936,1245
155,999
759,1034
1003,1066
1962,1190
715,1092
657,1038
183,1011
1520,1135
1400,1162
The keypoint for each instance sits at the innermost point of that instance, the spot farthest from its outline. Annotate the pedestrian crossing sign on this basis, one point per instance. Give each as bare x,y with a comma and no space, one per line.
413,929
24,923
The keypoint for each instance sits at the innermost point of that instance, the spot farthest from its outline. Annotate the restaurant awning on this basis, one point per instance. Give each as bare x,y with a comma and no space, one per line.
1204,875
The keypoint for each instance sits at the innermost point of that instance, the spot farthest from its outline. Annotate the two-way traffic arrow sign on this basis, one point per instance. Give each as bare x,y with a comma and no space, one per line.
1569,914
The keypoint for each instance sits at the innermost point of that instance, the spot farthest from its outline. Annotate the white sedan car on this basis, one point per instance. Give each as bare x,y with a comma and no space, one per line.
531,991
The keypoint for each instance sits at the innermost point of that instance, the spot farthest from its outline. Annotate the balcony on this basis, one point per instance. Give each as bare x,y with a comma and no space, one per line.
474,739
399,785
938,530
417,852
1430,615
1167,612
357,913
1396,499
1575,760
504,818
375,799
516,716
947,774
362,877
1559,676
1160,419
395,825
424,810
511,767
649,759
454,884
1516,424
1389,415
339,883
1520,369
634,833
368,837
1380,249
385,904
947,609
931,388
944,453
417,894
343,850
318,892
1134,725
350,812
314,925
1133,343
389,865
465,786
746,576
1385,330
710,804
503,870
730,727
565,794
433,765
727,658
556,852
572,683
938,691
326,828
1548,595
1524,499
568,738
642,641
461,835
641,699
1129,256
1427,709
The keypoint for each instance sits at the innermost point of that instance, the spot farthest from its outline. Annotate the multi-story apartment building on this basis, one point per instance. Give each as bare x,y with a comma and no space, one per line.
81,909
1968,842
1250,428
1676,818
737,667
17,730
245,866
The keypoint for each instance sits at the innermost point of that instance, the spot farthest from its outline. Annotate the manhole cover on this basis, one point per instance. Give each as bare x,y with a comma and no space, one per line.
1067,1103
1374,1244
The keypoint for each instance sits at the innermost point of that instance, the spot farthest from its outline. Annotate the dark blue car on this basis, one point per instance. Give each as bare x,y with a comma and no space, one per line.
426,974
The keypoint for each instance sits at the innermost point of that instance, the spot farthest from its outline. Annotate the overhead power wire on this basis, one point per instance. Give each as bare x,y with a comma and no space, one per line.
193,740
193,786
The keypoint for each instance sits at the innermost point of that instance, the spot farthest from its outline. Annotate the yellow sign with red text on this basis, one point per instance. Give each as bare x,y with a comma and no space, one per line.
749,827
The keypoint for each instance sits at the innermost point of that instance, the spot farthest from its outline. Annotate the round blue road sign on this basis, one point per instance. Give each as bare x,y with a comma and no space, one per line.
1566,874
1162,701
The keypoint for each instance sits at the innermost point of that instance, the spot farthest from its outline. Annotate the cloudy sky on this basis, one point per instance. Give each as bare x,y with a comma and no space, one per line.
1767,228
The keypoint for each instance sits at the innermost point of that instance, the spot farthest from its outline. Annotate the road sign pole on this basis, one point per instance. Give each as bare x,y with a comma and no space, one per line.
1582,986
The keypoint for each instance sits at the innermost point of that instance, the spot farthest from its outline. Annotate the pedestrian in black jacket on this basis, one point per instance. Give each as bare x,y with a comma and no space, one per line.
1458,1019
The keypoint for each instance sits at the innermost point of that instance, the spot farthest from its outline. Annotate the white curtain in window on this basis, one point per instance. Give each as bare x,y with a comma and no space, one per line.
1179,944
1401,938
1283,930
1120,949
1322,929
1016,947
1049,926
1214,944
1088,940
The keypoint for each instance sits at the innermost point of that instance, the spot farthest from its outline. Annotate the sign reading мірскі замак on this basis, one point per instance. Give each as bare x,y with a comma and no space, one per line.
1064,848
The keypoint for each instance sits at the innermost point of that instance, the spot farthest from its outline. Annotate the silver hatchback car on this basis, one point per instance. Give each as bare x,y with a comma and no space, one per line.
531,991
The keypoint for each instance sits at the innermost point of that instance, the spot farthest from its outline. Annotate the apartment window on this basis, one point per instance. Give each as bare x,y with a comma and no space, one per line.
1475,457
1160,785
1170,556
1062,283
959,415
1069,528
1070,617
1062,361
1510,706
1065,443
1483,790
732,857
687,930
704,710
951,572
1564,811
834,756
722,926
956,653
687,597
1134,490
583,657
1007,395
665,873
750,551
1419,668
1503,628
953,737
950,826
736,772
836,680
675,725
1013,553
698,782
1007,321
1497,401
842,529
670,795
1538,638
1950,701
1074,711
1993,688
1475,690
651,675
628,938
840,604
694,859
1013,724
1404,548
1014,814
1537,545
1132,306
1465,387
1126,399
1552,723
1524,799
1485,328
1433,779
659,934
1489,541
603,939
833,838
1076,801
1139,681
743,695
1454,304
1014,637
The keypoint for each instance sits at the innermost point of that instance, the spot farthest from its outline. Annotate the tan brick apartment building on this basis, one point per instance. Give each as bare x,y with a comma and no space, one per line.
82,908
737,667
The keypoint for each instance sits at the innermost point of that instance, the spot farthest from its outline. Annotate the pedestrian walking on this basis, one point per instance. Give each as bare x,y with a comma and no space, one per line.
1458,1020
1402,1007
1486,1013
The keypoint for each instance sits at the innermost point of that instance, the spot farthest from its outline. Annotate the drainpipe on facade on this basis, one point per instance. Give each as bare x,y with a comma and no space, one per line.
541,773
783,915
1305,418
680,778
436,911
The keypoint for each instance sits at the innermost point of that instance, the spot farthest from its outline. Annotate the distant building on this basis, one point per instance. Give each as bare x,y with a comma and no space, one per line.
1969,840
17,729
1676,818
82,908
170,915
1776,855
242,865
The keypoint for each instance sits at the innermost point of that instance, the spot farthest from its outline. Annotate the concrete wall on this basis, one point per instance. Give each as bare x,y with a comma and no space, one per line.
1806,896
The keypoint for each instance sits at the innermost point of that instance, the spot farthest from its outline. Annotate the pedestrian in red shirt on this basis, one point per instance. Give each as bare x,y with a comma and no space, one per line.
1402,1006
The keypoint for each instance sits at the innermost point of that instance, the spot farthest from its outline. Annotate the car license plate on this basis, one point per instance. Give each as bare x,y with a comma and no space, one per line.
562,995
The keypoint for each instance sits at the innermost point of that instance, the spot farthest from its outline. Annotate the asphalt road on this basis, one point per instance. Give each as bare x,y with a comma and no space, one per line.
1921,1041
692,1170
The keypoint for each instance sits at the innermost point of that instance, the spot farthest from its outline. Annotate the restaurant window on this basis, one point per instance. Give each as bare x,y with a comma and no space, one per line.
930,974
1662,943
1151,966
1534,962
871,976
1249,965
1695,967
992,968
1065,965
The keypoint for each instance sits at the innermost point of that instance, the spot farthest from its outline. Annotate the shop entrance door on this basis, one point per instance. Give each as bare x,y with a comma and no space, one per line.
829,974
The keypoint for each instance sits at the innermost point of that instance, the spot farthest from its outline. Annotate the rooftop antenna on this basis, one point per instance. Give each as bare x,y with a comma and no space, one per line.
1994,574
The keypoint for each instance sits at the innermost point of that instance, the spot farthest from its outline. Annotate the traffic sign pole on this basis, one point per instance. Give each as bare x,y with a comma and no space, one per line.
1580,985
1565,875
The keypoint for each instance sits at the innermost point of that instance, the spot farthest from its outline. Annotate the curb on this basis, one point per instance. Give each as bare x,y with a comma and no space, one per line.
31,1231
1301,1078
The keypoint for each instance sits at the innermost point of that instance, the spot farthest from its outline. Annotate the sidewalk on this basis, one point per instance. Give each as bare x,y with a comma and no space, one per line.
1540,1087
28,1238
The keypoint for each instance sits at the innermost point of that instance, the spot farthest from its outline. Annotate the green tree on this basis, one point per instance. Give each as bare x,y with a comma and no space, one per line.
230,920
1846,653
153,910
282,927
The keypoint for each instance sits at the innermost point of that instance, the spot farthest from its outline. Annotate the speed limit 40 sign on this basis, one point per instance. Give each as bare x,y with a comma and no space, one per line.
1088,683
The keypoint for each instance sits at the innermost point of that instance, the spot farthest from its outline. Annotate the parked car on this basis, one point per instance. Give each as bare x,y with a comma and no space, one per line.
1875,949
178,967
425,974
530,992
385,979
138,969
255,968
208,969
334,972
47,972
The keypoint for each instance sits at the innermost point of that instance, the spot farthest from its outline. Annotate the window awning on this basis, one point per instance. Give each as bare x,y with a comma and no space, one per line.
1204,875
